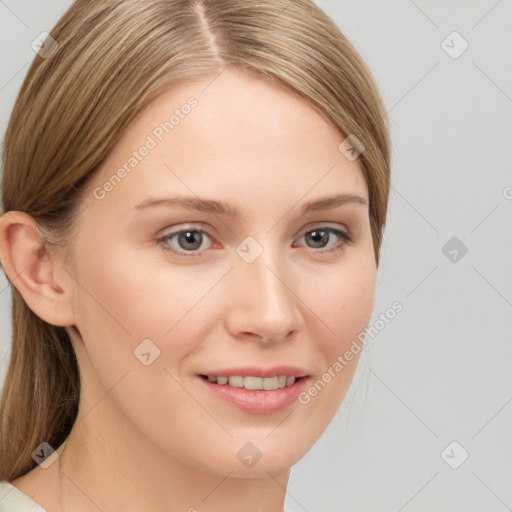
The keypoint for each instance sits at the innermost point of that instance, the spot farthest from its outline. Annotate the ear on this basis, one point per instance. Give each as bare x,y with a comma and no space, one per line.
30,267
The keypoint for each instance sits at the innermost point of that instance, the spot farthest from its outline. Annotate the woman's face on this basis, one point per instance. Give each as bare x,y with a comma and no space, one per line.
168,292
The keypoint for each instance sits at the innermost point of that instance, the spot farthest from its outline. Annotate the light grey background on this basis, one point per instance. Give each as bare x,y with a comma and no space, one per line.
441,370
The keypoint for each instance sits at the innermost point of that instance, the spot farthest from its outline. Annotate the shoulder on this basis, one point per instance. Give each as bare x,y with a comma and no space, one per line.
13,500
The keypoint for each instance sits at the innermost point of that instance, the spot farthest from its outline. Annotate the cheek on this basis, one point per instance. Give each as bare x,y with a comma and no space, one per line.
120,306
343,301
344,307
137,296
125,298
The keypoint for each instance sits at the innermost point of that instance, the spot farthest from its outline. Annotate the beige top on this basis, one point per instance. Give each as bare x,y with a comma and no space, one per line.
13,500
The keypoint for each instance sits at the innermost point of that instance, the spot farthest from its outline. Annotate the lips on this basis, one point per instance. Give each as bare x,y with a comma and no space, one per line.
256,390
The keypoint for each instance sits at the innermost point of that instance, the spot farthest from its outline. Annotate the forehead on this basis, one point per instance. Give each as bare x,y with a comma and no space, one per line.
237,137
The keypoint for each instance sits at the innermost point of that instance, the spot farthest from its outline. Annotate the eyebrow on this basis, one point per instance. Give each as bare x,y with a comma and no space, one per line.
222,208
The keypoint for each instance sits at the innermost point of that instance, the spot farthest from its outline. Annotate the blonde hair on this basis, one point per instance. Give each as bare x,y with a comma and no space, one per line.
112,58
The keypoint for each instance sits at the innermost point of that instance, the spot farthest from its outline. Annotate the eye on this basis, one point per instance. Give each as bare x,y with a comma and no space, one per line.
188,240
321,236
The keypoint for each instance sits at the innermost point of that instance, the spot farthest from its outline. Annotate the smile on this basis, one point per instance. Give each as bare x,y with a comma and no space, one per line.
256,390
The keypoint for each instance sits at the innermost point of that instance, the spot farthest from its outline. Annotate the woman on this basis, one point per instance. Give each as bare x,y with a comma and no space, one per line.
194,198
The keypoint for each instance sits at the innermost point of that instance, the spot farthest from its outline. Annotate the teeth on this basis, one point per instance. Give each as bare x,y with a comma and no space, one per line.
252,382
236,382
290,381
269,383
249,382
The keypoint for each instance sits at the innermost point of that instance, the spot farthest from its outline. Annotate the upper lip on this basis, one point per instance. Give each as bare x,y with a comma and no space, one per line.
255,371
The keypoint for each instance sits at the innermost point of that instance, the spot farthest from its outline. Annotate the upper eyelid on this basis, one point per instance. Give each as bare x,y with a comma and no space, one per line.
305,230
316,225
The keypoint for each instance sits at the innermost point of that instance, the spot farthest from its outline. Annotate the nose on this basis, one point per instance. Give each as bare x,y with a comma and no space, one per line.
264,305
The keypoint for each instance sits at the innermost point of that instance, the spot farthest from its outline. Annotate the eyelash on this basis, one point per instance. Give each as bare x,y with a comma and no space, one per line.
346,238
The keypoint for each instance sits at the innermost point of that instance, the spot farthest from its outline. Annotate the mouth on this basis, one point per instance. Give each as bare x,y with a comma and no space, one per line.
255,390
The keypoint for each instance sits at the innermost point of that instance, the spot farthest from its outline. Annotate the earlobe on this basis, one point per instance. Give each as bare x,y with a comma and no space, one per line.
31,268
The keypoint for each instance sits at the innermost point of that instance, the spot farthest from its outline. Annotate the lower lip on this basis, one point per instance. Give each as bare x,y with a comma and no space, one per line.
257,401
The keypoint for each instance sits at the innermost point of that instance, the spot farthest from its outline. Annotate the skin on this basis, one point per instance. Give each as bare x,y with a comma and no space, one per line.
152,437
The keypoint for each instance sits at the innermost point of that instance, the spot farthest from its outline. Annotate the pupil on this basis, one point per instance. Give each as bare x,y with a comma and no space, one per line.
319,236
188,239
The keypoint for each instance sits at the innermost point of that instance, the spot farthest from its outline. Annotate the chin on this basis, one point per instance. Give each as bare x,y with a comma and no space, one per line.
257,456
